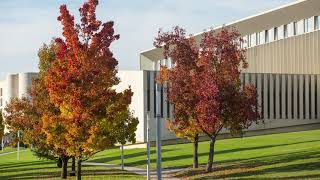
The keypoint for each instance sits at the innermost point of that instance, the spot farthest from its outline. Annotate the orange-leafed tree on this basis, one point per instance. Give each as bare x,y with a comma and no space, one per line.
81,84
26,114
183,52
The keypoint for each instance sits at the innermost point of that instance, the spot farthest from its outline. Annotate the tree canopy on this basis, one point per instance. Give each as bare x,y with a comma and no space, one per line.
205,86
81,84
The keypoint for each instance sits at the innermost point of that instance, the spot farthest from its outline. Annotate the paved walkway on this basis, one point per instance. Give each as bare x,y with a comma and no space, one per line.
2,154
143,172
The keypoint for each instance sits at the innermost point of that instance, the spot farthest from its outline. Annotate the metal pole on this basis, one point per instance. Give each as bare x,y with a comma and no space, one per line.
148,147
18,146
2,144
158,137
122,158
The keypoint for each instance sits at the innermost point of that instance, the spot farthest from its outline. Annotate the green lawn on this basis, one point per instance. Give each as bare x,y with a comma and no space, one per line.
30,167
277,156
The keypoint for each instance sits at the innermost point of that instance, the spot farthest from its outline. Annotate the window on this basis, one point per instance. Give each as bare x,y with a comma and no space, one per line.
266,37
305,25
310,24
316,23
295,28
158,65
257,38
275,33
249,40
169,63
285,31
245,42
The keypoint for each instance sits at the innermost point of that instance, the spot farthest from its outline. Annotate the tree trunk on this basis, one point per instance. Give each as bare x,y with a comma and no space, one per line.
79,169
73,167
195,151
64,170
59,163
209,167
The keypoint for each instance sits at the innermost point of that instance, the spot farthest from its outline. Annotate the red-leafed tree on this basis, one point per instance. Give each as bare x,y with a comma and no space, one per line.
81,84
223,101
183,52
209,91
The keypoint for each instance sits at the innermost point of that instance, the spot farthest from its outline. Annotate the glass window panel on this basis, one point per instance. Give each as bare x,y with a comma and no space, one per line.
295,28
305,25
285,31
266,33
310,24
258,38
316,23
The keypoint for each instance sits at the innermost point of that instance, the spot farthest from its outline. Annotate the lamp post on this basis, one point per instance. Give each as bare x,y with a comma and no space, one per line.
158,137
2,144
122,147
122,157
148,146
18,146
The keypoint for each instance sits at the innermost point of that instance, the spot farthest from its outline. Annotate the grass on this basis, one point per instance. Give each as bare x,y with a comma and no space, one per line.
277,156
30,167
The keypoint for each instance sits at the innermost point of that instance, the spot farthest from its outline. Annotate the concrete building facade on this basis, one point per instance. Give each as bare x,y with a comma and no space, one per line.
15,85
284,64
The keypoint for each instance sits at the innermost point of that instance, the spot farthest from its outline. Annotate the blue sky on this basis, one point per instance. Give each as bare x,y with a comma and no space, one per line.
26,24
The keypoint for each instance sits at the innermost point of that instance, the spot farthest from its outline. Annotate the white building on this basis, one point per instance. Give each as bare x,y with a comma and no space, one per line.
15,85
284,65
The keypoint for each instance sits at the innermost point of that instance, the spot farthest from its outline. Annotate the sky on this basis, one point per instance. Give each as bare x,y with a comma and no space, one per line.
26,24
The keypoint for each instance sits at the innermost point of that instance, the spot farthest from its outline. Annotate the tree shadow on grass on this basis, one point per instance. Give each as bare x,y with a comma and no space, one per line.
126,156
172,159
22,164
104,171
262,166
24,169
260,147
55,173
32,175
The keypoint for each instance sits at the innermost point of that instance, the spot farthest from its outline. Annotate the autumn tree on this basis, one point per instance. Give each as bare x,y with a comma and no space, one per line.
223,102
81,84
44,107
219,100
183,53
26,114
